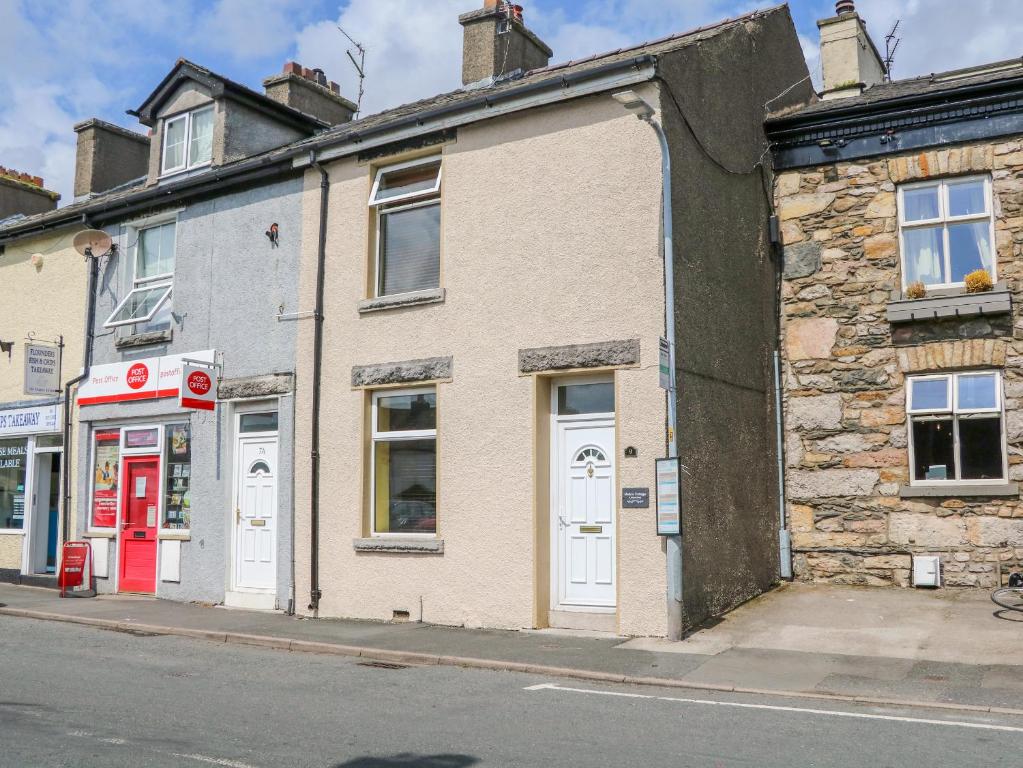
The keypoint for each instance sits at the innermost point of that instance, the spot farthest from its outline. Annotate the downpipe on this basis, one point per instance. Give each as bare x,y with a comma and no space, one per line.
314,457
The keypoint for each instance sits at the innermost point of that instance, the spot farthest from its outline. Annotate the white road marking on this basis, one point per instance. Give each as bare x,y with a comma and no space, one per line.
776,708
214,760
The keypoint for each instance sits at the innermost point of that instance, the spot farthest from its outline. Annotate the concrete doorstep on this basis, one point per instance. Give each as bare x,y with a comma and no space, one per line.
725,661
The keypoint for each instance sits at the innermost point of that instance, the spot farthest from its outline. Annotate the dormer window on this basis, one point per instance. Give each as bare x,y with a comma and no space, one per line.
187,140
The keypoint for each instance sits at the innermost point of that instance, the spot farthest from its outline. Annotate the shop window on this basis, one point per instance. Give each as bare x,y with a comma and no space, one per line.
106,463
946,231
404,462
406,198
177,508
956,431
147,307
13,463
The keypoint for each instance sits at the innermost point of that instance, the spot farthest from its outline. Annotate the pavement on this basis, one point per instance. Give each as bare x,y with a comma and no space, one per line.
80,696
946,649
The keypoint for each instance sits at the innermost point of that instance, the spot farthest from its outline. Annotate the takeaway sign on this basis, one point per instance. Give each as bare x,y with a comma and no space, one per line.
151,378
27,421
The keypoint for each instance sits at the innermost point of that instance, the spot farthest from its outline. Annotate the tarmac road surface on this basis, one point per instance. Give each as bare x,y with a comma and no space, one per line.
77,696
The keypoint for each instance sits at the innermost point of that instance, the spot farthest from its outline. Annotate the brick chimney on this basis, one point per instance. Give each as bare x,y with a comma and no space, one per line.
496,42
107,156
309,91
24,193
850,61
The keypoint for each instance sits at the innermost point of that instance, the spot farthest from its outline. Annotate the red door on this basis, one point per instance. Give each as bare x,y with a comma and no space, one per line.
138,524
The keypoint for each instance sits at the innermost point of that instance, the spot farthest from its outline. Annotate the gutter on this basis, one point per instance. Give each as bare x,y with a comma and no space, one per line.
314,456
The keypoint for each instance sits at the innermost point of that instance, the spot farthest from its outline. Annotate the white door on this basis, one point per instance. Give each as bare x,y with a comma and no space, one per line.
256,514
586,513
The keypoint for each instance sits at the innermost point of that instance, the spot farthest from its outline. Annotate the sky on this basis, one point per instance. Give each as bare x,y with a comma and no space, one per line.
69,60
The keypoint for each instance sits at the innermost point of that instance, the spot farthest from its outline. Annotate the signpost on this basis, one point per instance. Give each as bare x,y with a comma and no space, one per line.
669,497
197,389
42,369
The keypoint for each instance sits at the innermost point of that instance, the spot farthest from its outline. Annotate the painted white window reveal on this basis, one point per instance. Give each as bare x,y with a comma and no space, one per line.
187,140
946,231
404,462
956,428
148,304
406,199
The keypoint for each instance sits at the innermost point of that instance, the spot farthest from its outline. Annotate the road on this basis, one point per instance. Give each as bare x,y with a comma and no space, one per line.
77,696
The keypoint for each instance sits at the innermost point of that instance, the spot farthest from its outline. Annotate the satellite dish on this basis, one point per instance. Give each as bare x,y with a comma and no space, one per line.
92,242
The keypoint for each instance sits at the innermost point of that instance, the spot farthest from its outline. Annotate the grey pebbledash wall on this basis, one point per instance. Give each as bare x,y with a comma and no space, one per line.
725,277
229,286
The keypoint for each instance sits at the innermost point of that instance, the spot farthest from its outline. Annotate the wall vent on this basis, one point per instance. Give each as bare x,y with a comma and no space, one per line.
926,571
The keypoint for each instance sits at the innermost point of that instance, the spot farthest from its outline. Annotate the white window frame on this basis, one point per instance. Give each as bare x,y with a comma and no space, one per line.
379,206
954,414
396,437
944,220
185,165
145,284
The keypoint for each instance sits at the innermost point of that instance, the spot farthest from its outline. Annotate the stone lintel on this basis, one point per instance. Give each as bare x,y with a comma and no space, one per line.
596,355
956,491
256,386
408,371
410,544
947,355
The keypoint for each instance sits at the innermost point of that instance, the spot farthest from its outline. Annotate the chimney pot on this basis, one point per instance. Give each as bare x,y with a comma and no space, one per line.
845,6
292,68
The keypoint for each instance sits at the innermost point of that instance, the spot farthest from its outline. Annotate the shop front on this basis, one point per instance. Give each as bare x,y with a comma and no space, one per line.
30,466
182,502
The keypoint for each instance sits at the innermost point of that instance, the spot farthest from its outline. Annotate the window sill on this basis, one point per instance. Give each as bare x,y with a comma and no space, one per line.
399,544
953,302
12,531
399,300
144,339
174,535
100,534
954,491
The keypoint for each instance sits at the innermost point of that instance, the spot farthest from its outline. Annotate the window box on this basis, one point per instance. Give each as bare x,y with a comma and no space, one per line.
952,302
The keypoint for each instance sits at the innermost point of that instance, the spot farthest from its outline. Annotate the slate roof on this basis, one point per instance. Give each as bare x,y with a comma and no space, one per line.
382,120
934,86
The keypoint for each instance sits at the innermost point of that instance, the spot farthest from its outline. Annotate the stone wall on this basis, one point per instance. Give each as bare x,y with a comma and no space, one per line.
846,446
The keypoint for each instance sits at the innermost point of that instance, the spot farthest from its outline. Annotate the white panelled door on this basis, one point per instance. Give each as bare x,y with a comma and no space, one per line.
256,514
586,514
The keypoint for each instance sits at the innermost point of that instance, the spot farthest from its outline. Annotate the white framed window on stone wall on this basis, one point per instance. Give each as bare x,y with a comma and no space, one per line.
187,141
403,464
956,428
406,201
147,305
946,231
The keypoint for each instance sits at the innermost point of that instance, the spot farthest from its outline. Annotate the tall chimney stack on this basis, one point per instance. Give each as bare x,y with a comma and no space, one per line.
850,62
496,43
309,91
23,193
107,156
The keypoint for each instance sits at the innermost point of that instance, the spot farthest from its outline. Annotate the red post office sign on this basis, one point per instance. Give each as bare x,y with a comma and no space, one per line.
198,388
75,578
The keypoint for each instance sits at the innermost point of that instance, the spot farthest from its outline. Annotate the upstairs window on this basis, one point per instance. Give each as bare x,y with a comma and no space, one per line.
956,431
188,140
946,231
406,198
147,305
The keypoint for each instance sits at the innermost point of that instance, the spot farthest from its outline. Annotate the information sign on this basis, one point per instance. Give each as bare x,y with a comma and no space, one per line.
669,497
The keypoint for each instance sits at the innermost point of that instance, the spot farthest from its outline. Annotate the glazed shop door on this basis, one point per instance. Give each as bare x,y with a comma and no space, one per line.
139,515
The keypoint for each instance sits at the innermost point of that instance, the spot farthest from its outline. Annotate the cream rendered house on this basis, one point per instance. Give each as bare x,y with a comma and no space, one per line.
44,284
477,389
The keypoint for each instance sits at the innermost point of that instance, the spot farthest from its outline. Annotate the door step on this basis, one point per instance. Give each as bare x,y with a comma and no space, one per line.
251,601
13,576
598,622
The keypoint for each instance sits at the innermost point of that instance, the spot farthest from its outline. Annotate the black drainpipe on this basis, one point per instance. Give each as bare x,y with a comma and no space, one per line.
314,507
86,364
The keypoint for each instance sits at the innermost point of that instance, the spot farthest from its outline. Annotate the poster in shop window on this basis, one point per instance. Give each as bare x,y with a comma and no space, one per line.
104,494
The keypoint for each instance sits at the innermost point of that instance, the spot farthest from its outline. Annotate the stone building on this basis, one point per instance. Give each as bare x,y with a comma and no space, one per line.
903,395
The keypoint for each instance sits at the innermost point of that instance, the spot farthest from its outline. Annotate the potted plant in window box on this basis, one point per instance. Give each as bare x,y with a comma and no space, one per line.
978,281
916,290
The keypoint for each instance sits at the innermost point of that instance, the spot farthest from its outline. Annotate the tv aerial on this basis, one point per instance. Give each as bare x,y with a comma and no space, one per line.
891,44
92,243
360,66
